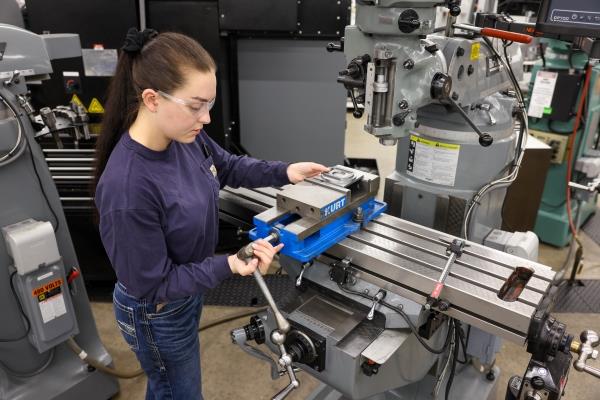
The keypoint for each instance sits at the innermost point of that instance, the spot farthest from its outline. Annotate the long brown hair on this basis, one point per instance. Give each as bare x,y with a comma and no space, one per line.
160,64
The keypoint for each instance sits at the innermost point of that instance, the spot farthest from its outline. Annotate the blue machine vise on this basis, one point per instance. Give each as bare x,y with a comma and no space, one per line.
315,214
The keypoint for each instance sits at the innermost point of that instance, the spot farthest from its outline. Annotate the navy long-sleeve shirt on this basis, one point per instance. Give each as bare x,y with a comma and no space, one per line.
159,213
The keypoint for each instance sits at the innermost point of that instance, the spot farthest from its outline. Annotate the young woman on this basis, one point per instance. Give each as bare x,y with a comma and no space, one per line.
158,176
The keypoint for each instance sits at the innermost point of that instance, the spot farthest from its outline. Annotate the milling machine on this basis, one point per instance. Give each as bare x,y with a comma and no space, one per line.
403,305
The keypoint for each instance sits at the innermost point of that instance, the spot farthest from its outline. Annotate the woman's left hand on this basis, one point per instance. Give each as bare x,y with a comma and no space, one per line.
299,171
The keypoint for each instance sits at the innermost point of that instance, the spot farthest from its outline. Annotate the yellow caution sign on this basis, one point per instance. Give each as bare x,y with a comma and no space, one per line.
95,107
434,143
77,101
475,51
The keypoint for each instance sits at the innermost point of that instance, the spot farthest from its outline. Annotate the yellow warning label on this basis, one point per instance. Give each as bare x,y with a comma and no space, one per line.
95,107
77,101
475,51
433,143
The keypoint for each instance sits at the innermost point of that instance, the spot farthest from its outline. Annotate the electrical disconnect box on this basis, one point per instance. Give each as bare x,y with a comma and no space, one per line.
40,282
556,141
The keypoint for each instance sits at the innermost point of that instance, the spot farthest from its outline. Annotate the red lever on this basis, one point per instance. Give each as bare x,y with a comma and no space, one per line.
73,274
505,35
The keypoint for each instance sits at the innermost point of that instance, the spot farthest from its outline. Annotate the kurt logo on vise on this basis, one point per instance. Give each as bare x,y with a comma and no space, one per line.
333,207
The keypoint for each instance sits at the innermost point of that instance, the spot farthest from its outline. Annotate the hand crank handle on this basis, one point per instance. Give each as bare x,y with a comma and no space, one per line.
244,254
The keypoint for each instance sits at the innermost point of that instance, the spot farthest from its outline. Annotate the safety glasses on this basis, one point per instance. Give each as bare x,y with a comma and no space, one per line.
196,108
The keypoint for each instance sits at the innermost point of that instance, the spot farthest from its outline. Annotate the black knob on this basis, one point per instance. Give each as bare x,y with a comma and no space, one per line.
432,48
301,347
443,305
537,382
409,25
486,140
255,330
454,8
398,120
408,21
441,85
357,113
369,368
353,70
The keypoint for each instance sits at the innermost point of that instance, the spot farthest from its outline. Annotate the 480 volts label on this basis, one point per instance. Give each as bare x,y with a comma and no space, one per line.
432,161
50,300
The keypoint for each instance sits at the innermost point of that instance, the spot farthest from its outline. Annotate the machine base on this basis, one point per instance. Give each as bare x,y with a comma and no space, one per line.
77,382
468,384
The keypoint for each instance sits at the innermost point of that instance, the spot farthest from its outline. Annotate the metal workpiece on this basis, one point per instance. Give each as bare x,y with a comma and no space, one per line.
310,201
321,197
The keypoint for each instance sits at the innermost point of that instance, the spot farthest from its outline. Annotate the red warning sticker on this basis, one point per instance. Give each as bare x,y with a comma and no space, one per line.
48,287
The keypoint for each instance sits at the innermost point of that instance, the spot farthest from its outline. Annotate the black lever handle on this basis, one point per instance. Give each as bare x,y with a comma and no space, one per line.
485,139
357,113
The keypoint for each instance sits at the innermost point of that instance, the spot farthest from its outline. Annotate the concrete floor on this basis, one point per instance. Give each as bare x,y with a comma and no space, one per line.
228,373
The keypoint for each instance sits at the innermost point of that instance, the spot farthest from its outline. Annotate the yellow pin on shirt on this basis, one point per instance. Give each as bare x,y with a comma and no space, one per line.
213,169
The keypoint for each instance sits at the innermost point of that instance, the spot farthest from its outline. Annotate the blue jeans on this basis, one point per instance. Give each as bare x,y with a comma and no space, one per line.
165,342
